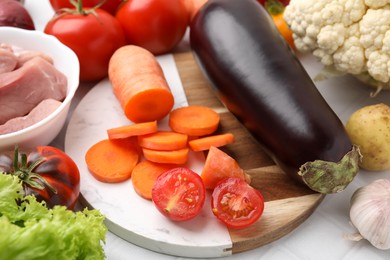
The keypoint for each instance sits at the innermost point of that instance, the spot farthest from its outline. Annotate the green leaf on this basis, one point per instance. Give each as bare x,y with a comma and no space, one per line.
32,231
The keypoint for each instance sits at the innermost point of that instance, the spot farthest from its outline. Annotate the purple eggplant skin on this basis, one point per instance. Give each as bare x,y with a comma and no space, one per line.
261,81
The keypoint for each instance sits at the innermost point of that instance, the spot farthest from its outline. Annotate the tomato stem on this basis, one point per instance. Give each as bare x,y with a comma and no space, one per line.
274,7
25,172
78,5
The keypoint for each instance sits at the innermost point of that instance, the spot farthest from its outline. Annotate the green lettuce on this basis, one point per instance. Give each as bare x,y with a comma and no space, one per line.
29,230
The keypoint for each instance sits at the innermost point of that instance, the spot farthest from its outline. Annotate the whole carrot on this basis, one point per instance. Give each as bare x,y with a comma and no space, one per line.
139,84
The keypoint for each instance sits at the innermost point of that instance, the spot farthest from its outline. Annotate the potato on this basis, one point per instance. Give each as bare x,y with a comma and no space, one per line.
369,128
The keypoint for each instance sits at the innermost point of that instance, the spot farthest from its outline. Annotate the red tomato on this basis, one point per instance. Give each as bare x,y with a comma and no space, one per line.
94,38
46,172
236,204
179,194
156,25
110,6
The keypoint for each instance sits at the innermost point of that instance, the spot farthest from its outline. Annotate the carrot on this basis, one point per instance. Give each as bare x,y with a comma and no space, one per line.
204,143
132,130
218,166
139,84
163,140
144,176
174,157
194,120
112,161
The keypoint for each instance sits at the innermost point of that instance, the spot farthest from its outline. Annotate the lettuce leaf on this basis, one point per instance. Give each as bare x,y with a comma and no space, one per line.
29,230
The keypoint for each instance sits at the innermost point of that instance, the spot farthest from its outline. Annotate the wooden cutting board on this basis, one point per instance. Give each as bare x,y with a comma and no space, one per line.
287,203
137,221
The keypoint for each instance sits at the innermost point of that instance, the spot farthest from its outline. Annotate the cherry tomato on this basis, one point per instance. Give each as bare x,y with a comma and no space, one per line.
179,194
156,25
94,38
110,6
236,204
46,172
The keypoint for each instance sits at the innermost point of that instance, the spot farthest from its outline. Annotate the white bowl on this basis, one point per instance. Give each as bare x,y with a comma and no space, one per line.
65,60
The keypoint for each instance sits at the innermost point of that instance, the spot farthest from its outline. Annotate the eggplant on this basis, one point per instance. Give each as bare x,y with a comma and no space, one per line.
261,81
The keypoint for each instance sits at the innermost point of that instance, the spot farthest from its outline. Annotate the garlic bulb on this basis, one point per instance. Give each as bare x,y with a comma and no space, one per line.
370,213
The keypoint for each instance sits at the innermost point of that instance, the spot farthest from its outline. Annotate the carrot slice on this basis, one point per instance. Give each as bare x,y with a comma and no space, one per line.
175,156
132,130
112,161
139,84
144,176
163,140
194,120
218,166
204,143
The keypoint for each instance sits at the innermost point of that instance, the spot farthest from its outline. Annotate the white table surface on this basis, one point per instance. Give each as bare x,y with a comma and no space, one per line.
321,235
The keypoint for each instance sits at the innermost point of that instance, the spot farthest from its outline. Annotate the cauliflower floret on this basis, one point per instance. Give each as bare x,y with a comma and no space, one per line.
353,36
322,24
331,37
306,21
375,32
350,57
376,3
377,66
373,28
354,11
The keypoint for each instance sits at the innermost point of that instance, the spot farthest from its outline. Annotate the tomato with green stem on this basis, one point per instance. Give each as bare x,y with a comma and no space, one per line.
156,25
93,34
236,204
46,172
110,6
179,194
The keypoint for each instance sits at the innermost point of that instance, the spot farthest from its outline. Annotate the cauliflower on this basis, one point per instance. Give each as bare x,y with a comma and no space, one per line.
349,36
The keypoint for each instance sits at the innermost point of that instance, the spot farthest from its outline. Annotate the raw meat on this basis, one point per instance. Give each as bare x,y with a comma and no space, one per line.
27,55
8,60
24,88
41,111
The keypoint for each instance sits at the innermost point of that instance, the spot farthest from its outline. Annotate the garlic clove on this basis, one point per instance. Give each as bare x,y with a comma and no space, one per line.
370,212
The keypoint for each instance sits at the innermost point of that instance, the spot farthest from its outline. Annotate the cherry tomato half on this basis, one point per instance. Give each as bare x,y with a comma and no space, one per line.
179,194
110,6
236,204
94,38
46,172
156,25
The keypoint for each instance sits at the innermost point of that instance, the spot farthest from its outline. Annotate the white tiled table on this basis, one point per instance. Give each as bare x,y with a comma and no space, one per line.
321,235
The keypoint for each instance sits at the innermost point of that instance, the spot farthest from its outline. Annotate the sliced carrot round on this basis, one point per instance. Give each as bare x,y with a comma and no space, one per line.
132,130
204,143
194,120
163,140
111,161
174,156
144,176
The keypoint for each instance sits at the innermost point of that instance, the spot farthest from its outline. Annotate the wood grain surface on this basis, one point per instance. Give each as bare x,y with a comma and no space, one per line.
287,203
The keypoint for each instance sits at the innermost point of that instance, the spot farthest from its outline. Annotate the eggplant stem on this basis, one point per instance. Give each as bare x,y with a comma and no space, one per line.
330,177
